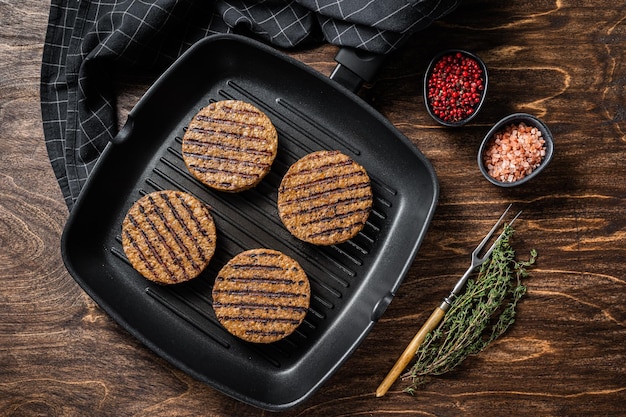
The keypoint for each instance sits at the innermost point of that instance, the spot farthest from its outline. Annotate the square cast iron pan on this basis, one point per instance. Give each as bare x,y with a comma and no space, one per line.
352,283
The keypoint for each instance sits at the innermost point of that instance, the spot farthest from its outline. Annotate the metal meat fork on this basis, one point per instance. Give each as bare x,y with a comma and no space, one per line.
438,314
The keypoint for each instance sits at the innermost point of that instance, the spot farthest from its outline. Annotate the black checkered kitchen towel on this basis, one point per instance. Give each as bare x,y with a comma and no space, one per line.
90,40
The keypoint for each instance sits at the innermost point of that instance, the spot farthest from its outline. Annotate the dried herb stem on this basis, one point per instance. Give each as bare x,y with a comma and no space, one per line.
482,313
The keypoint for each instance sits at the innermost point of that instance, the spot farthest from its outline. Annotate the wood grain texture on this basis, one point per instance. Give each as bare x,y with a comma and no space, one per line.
561,60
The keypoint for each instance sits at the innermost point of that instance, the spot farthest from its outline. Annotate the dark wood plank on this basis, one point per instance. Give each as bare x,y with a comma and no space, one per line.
560,60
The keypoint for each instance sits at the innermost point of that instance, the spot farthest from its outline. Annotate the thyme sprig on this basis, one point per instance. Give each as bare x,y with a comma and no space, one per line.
481,314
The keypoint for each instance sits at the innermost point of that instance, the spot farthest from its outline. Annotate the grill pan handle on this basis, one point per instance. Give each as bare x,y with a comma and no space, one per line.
355,66
126,131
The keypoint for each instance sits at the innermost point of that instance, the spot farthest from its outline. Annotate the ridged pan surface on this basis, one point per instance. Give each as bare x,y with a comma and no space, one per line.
352,283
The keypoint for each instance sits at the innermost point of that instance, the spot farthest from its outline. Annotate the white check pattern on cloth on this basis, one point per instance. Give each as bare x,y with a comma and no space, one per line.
88,41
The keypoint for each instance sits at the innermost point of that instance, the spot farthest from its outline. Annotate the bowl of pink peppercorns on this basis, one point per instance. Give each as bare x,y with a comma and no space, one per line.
455,86
515,150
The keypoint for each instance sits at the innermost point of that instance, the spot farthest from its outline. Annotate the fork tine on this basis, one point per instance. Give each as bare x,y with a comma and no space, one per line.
482,244
486,255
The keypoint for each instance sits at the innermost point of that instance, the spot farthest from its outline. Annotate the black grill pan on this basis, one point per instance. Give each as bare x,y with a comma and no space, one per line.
352,283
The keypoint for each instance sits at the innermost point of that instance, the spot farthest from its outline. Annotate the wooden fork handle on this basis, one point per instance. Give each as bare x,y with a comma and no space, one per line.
410,351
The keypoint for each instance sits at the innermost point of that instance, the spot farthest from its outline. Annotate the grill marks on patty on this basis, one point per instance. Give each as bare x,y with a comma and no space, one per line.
261,295
230,145
325,198
169,236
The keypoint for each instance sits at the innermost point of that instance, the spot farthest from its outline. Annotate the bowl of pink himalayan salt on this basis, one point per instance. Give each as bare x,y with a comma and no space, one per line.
515,150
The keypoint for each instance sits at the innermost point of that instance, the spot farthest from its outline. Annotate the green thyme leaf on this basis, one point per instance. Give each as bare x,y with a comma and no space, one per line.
481,314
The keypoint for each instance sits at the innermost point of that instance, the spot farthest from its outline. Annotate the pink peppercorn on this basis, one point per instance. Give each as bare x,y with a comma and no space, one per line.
455,87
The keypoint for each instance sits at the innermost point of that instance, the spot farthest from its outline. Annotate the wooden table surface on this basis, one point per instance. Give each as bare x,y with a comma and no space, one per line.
561,60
